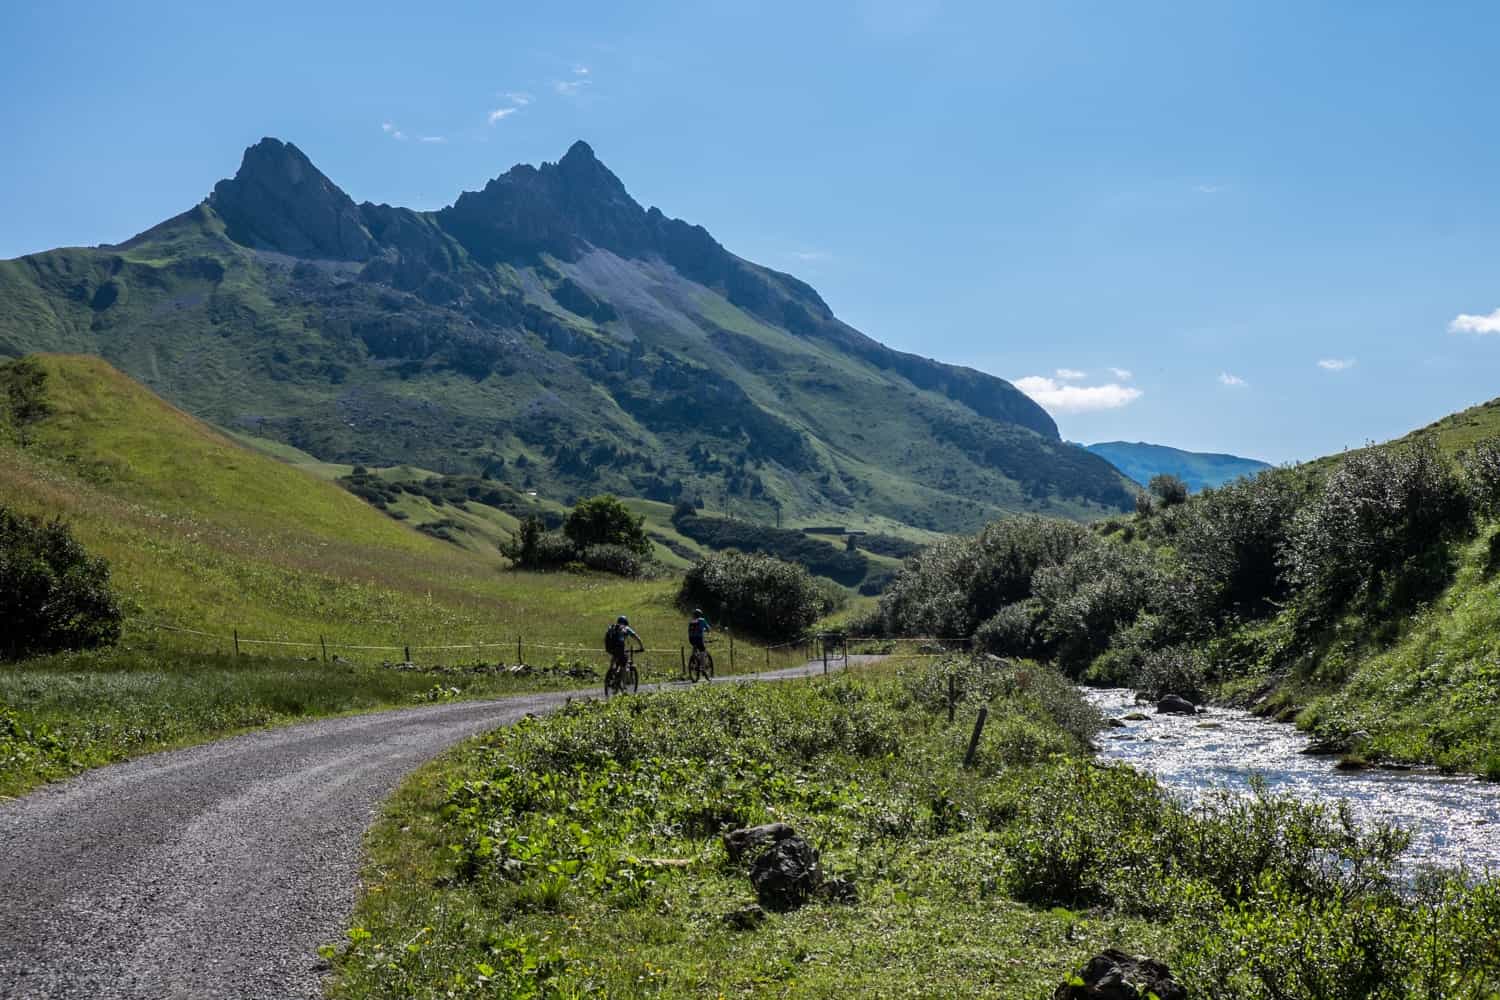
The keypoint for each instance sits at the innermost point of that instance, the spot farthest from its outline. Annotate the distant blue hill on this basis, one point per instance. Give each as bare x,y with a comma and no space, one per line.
1199,470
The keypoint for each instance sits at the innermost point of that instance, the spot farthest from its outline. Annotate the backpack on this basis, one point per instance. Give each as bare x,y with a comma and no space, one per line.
695,629
614,639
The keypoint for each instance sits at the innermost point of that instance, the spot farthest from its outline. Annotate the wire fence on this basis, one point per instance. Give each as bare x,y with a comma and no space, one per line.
829,647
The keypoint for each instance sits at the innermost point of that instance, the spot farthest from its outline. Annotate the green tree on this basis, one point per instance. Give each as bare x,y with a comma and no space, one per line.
53,595
604,520
1168,489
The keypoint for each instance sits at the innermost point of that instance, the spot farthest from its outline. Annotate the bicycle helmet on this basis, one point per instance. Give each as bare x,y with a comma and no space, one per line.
697,612
622,620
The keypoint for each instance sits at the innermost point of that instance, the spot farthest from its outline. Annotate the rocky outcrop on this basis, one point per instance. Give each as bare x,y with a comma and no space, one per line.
279,201
787,874
1114,975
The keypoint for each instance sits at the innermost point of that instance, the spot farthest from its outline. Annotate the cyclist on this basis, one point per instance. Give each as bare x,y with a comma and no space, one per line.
698,630
614,642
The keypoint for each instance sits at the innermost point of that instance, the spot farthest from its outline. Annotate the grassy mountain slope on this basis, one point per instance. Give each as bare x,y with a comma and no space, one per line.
204,533
1200,470
552,333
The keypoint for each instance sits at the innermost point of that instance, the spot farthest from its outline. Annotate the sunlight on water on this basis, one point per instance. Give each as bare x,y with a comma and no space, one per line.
1453,820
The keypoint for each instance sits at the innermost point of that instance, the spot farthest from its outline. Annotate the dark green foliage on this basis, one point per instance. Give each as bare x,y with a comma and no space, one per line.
534,547
755,593
616,559
1481,465
53,595
1380,529
1229,551
1168,489
1099,589
844,566
949,588
23,398
604,520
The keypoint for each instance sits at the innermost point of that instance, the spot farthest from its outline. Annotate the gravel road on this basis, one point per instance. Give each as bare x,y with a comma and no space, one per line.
216,871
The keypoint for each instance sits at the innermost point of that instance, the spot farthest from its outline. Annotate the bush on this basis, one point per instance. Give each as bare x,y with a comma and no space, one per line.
604,520
1100,589
843,565
1014,630
1481,465
757,593
1168,489
950,588
1380,529
534,547
616,559
53,595
1179,670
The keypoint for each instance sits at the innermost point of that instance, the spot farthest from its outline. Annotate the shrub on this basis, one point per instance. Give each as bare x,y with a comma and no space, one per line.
616,559
53,595
1014,630
23,398
1229,548
757,593
1481,465
1180,670
1101,588
1381,528
1168,489
604,520
950,588
844,565
534,547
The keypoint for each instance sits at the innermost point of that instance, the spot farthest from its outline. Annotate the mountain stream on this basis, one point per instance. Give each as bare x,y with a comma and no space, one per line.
1454,820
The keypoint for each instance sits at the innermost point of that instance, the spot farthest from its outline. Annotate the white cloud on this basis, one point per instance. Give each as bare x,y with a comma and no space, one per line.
1070,374
1478,325
580,71
570,88
500,114
391,130
517,97
1061,398
1337,364
1232,380
1123,374
1210,188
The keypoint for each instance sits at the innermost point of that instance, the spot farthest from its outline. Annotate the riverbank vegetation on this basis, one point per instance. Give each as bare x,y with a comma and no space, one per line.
1358,594
583,854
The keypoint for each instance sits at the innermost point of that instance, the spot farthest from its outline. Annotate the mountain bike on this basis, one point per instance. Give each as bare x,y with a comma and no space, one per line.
624,678
700,666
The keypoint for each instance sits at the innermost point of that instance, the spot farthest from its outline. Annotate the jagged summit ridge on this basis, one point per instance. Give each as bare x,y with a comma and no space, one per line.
278,200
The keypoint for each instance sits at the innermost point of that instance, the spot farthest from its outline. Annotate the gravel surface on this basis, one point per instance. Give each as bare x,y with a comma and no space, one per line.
216,871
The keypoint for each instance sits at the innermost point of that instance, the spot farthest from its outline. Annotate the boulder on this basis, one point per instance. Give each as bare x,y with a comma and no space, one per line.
1114,975
838,890
1115,723
746,917
786,874
748,840
1175,704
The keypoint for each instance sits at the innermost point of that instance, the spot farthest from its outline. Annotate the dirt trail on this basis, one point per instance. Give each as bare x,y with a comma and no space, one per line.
216,871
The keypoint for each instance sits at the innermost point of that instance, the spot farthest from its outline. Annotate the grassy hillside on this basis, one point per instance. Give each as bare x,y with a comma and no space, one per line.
204,533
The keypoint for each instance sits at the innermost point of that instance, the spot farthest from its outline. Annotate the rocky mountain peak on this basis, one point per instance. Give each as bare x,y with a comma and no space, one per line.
278,200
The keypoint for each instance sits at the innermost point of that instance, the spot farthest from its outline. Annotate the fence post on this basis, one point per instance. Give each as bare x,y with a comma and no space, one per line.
952,698
408,654
768,657
236,642
731,652
519,659
824,644
984,713
682,652
324,643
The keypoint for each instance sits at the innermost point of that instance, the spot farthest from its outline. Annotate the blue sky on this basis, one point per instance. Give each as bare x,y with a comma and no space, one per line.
1271,215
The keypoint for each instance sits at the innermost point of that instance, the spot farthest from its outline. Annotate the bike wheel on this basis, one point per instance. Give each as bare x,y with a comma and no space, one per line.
631,680
611,682
706,668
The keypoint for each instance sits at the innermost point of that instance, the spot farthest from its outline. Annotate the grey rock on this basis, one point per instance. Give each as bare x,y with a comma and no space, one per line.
745,841
1114,975
786,874
1175,704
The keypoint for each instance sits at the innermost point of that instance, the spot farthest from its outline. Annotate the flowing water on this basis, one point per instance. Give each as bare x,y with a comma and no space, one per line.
1453,820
